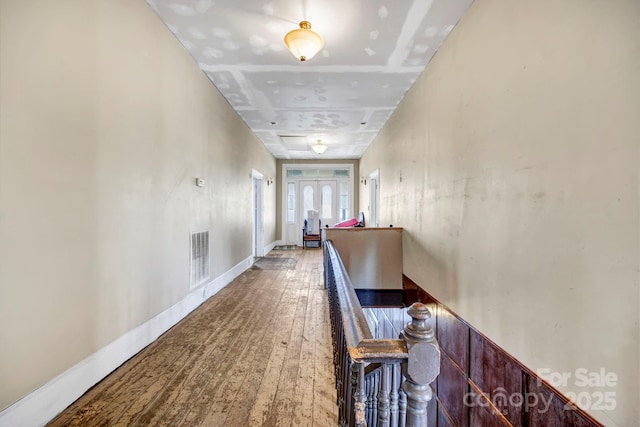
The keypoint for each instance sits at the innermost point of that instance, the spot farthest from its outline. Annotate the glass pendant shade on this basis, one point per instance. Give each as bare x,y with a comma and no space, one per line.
302,42
319,147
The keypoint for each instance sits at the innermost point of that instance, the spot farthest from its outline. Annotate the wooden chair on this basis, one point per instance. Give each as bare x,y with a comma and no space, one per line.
307,237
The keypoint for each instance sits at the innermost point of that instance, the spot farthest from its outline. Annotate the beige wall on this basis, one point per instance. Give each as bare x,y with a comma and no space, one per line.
512,164
372,257
105,121
278,185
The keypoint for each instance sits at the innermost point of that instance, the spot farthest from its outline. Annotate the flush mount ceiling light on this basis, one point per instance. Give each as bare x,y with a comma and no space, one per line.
303,42
319,147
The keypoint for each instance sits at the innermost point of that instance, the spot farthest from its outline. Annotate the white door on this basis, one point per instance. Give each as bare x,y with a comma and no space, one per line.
308,200
292,229
328,205
258,247
374,198
318,196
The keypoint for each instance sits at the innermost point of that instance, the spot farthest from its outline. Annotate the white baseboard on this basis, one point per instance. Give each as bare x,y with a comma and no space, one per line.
269,247
39,407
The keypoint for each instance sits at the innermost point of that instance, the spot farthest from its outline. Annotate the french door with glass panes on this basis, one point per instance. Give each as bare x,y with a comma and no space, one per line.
319,196
326,189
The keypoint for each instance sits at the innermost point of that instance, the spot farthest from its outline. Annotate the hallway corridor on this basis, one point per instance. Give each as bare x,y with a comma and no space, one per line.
258,353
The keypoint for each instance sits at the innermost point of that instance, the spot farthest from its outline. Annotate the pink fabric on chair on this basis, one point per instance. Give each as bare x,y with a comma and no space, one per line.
347,223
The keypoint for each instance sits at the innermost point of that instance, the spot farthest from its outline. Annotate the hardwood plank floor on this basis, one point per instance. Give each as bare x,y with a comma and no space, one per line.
258,353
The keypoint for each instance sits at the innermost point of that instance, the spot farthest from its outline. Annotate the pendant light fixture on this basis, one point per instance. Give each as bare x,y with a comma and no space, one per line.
302,42
319,147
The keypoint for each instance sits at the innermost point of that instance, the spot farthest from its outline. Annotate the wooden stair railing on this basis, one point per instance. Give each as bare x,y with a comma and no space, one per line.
379,382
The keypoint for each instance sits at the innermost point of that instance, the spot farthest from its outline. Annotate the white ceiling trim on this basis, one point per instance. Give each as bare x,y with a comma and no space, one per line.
374,51
315,69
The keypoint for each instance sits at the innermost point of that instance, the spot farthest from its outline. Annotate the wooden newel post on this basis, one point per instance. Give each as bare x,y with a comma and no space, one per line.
422,366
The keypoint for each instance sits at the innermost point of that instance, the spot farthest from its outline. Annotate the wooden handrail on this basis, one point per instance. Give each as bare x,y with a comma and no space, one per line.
360,343
354,348
355,324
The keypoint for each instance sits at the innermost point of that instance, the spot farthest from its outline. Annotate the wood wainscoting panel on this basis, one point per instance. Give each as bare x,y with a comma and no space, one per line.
413,293
453,337
497,376
551,409
483,413
432,409
481,385
443,419
452,389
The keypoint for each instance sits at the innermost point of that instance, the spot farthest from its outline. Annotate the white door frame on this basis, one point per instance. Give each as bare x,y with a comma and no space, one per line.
285,180
374,198
257,213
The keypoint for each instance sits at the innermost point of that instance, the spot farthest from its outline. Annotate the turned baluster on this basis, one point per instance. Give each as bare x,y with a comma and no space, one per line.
395,383
383,396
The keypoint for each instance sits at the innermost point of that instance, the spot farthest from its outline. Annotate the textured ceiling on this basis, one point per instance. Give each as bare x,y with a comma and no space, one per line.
373,51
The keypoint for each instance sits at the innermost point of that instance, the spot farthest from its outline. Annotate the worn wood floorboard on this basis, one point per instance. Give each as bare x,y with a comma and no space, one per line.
258,353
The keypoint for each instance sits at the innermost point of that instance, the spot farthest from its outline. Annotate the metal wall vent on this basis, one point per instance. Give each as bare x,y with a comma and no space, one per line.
199,257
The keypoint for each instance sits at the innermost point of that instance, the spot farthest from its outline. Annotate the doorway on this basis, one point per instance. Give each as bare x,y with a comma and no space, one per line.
325,188
318,196
374,198
258,246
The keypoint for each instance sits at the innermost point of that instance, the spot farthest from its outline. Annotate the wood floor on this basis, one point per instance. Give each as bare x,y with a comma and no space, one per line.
258,353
